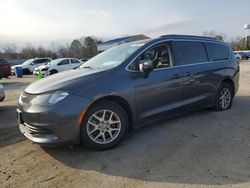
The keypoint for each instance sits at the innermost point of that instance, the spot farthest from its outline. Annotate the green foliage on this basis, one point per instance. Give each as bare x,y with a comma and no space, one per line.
85,48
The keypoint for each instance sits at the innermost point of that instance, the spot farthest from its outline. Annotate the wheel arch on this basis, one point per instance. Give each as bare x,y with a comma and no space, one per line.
230,82
53,70
120,101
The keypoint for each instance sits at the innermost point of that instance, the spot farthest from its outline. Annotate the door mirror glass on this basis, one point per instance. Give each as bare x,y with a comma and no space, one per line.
146,66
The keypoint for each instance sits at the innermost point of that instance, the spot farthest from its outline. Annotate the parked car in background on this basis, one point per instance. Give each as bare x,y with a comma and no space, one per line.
244,55
5,69
43,69
30,65
84,60
127,87
2,94
248,54
59,65
237,56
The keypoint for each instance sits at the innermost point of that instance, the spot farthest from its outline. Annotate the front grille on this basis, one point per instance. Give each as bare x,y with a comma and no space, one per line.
36,130
26,97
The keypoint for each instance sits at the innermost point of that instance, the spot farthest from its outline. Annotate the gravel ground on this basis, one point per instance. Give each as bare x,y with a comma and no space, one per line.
200,149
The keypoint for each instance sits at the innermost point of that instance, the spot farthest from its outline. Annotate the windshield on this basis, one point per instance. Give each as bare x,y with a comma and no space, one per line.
112,57
28,62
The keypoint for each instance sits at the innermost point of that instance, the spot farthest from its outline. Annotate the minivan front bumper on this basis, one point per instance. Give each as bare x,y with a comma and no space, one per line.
53,124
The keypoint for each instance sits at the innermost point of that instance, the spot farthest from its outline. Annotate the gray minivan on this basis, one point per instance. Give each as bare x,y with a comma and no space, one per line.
126,87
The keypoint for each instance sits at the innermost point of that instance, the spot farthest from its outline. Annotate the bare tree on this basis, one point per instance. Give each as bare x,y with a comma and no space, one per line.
63,52
214,34
239,43
10,51
85,47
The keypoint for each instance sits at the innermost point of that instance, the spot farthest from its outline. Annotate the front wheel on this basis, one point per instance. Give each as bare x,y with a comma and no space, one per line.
104,126
224,97
53,72
26,71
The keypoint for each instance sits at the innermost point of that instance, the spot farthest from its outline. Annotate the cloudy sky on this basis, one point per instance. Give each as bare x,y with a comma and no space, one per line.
46,21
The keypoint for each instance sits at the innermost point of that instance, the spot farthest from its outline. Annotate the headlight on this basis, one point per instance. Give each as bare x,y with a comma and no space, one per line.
1,86
58,96
50,99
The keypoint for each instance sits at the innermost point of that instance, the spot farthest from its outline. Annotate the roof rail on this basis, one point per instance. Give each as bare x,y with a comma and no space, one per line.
187,36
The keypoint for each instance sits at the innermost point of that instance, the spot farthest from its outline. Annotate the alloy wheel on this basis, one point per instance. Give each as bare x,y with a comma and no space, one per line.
103,126
225,98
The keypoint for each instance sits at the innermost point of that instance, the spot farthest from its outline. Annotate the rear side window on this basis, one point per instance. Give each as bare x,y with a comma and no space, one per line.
39,61
217,52
189,52
74,61
64,62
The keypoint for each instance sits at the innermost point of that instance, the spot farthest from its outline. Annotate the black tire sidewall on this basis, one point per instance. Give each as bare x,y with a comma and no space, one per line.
53,72
109,105
217,100
26,71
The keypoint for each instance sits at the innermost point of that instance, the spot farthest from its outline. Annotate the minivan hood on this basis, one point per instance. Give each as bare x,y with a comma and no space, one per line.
72,80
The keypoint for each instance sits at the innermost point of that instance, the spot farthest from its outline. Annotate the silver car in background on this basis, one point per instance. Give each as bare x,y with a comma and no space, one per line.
2,94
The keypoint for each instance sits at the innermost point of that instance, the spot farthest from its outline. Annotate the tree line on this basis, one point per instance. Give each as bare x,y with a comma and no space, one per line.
238,43
85,47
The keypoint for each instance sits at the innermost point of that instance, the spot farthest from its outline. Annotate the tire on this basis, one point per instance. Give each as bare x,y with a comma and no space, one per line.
53,72
228,98
91,127
26,72
2,99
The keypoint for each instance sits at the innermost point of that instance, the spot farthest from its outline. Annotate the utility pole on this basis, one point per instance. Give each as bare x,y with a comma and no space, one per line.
247,31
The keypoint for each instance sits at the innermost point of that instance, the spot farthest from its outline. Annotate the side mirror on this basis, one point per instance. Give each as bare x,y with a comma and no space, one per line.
32,64
146,66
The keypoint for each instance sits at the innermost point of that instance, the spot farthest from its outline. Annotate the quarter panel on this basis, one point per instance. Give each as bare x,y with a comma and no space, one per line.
201,85
229,70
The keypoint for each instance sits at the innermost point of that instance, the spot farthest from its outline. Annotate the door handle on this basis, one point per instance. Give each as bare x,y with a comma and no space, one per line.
188,74
176,76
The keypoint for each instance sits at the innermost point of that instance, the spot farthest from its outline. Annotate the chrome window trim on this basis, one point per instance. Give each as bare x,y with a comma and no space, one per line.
178,66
